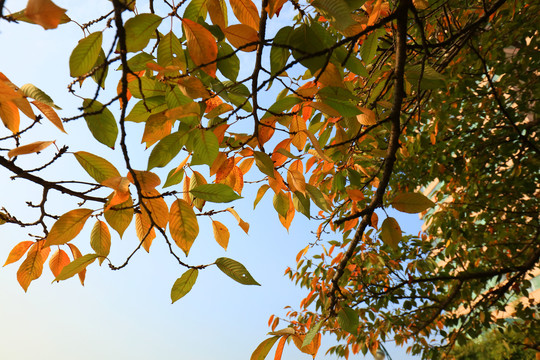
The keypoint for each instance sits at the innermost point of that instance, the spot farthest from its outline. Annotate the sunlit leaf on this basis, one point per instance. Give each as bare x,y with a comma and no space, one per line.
260,193
264,348
183,225
18,251
147,179
145,230
246,12
9,113
101,122
264,163
139,30
313,331
50,114
119,217
29,148
218,193
240,35
85,54
32,267
217,9
411,203
235,271
58,260
391,232
348,320
202,46
35,93
97,167
244,225
221,234
184,284
44,13
100,239
76,266
67,227
156,206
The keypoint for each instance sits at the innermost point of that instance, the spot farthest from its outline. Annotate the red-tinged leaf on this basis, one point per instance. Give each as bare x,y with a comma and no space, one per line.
57,262
145,231
274,7
77,254
18,251
240,35
411,203
50,114
221,234
183,225
184,284
29,148
44,13
100,240
76,266
202,46
9,113
97,167
67,227
375,221
244,225
280,346
217,9
147,179
246,12
32,267
391,232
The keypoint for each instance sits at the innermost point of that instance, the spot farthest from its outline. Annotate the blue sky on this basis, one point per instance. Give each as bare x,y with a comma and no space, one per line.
128,314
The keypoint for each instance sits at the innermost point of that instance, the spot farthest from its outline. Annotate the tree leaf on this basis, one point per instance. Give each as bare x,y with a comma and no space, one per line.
50,114
97,167
235,271
67,227
100,75
184,284
264,163
76,266
313,331
145,230
228,63
32,267
205,145
411,203
100,240
44,13
281,203
218,193
244,225
101,122
35,93
183,225
221,234
240,35
174,177
246,12
348,320
147,179
84,56
169,50
18,251
157,207
119,216
166,149
391,232
9,113
29,148
202,46
260,193
317,197
57,262
217,9
77,254
139,30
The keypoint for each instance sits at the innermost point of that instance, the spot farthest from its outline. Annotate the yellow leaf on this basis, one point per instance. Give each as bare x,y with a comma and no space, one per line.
298,128
240,35
411,203
18,251
296,181
147,179
32,266
157,126
246,12
44,13
367,118
317,146
24,106
100,240
244,225
183,226
391,232
221,234
29,148
50,114
9,113
156,206
145,231
77,254
67,227
57,262
193,88
202,46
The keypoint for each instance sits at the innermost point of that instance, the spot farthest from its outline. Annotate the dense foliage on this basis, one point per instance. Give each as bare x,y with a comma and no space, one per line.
351,107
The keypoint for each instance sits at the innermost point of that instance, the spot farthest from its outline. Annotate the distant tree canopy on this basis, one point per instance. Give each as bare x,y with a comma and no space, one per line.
352,106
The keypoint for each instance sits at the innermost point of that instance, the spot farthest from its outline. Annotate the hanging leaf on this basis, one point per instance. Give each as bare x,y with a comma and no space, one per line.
119,217
240,35
32,267
274,7
147,179
244,225
202,46
184,284
169,50
77,254
97,167
101,122
235,271
260,193
246,12
218,193
391,232
411,203
174,177
183,225
196,180
85,54
264,163
264,348
76,266
44,13
9,113
139,30
18,251
57,262
100,74
29,148
205,146
157,207
166,149
318,198
145,230
221,234
313,331
348,320
100,240
281,203
67,227
217,9
33,92
50,114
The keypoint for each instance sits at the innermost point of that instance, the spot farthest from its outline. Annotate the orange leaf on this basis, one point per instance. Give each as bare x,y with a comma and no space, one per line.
240,35
50,114
44,13
286,221
145,231
225,169
18,251
202,46
375,12
7,92
157,207
221,234
296,181
299,138
156,128
355,194
193,88
183,227
246,12
217,9
367,118
280,346
147,179
57,262
77,254
274,7
29,148
244,225
9,113
67,227
32,266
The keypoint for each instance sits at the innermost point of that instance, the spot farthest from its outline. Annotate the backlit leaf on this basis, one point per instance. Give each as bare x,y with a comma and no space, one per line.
281,203
221,234
240,35
202,46
100,239
77,254
44,13
156,205
29,148
218,193
97,167
147,179
184,284
318,198
76,266
313,331
32,267
101,122
9,113
246,12
391,232
411,203
169,49
183,225
235,271
57,262
244,225
145,230
139,30
18,251
85,54
217,9
166,149
174,177
264,163
50,114
67,227
260,193
264,348
205,147
348,320
119,217
35,93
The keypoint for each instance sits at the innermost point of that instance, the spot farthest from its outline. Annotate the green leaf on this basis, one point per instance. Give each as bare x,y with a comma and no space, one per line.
229,64
431,79
281,203
368,49
101,122
184,284
85,54
101,74
411,203
264,163
264,348
337,11
205,147
311,333
169,50
166,149
235,271
391,232
317,196
138,62
76,266
301,203
282,105
139,30
148,87
196,9
279,55
139,113
348,320
218,193
174,177
97,167
33,92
